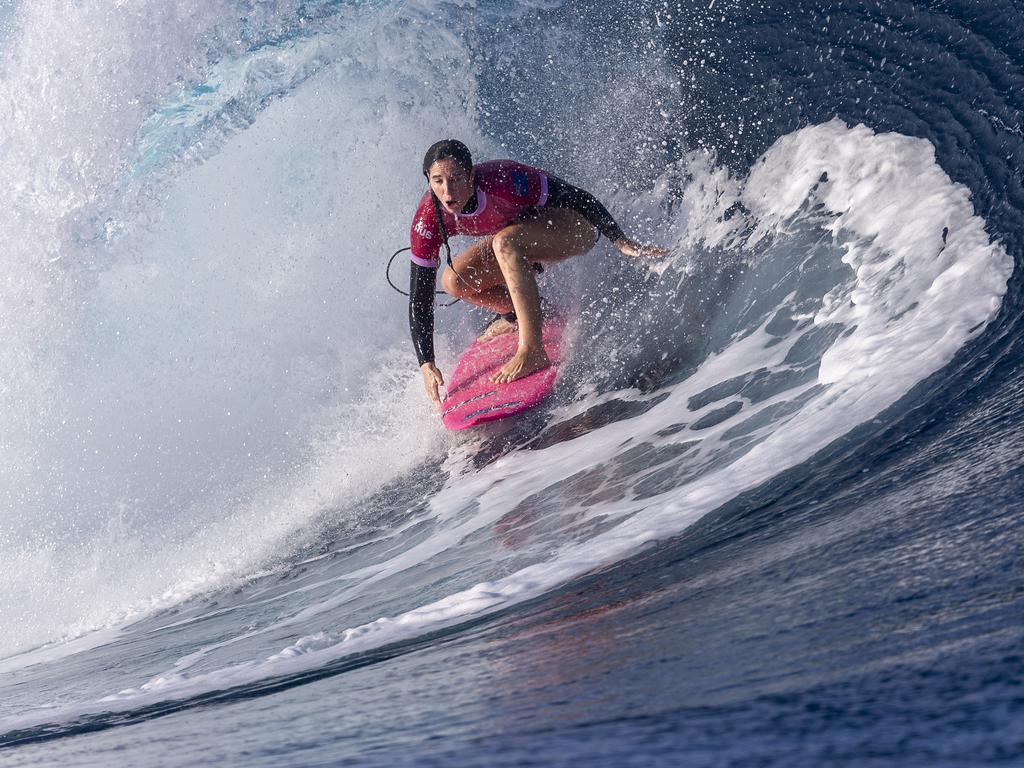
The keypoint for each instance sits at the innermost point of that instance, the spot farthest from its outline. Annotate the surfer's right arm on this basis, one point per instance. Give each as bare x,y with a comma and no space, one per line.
421,324
425,259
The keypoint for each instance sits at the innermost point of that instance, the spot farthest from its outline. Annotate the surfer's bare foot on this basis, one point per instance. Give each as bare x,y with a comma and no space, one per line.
523,363
498,327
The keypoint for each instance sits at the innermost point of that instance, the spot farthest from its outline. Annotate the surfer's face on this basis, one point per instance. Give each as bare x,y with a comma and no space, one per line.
452,184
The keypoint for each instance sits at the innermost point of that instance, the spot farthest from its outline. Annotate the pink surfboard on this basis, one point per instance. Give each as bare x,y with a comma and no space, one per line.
474,399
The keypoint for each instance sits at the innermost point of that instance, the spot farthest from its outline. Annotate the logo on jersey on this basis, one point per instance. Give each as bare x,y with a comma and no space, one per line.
422,231
520,183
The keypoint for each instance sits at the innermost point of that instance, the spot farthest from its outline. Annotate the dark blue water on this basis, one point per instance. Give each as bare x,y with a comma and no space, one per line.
860,607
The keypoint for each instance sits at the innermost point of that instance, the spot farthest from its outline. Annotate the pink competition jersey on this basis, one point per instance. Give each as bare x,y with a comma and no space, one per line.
505,189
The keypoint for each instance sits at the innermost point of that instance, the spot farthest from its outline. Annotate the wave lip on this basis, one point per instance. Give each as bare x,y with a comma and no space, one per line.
928,278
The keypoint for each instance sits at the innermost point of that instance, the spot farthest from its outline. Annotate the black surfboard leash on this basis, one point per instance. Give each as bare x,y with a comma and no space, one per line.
387,274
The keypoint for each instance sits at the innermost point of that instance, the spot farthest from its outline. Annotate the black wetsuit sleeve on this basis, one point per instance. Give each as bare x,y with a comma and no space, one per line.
561,194
421,310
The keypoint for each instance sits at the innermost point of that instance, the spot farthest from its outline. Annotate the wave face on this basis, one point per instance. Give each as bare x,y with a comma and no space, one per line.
769,517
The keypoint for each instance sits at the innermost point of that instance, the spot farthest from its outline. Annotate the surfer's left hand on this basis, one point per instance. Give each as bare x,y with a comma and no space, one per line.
639,250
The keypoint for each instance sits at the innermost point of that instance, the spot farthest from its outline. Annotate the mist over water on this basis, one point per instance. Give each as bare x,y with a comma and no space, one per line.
181,341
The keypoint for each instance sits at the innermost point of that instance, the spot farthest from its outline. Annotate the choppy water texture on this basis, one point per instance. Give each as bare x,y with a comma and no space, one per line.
771,516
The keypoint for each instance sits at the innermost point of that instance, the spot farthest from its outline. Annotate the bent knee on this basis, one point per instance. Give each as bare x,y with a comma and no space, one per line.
507,244
458,285
451,284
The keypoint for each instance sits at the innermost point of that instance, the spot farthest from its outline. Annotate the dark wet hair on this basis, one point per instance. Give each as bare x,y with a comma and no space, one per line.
444,149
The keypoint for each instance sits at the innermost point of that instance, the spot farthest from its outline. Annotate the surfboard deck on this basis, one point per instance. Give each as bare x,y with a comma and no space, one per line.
474,399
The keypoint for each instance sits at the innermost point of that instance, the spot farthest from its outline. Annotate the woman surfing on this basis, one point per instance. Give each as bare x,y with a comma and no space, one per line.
527,219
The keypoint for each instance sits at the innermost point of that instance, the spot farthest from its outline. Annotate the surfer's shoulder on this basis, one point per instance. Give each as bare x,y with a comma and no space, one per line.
424,237
511,179
499,171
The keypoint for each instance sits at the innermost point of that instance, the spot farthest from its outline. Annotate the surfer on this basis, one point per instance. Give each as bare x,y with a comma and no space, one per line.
527,220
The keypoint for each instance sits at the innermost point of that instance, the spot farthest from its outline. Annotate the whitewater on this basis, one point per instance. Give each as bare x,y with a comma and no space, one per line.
770,515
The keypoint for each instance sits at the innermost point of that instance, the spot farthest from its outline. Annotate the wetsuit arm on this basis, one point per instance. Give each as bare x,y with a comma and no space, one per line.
564,195
421,310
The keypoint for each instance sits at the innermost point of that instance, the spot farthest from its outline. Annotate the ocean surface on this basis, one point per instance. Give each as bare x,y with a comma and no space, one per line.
771,517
